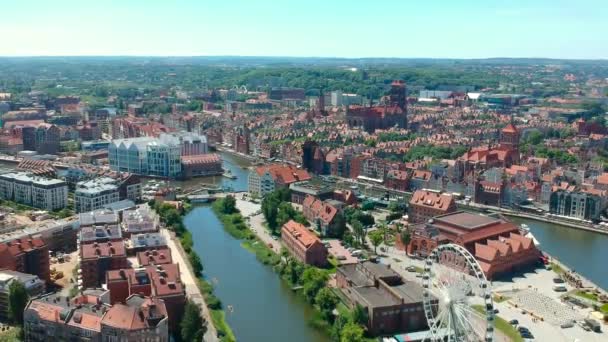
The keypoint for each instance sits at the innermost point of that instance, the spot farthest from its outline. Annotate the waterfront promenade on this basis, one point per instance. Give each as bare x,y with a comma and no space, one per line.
190,282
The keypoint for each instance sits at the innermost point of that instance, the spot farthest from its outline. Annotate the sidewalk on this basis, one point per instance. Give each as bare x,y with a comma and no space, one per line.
189,281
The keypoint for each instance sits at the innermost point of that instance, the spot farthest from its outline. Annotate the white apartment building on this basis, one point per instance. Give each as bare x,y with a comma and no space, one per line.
147,156
38,192
95,194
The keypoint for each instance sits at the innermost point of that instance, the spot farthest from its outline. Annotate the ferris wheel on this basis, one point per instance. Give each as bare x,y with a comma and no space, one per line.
453,281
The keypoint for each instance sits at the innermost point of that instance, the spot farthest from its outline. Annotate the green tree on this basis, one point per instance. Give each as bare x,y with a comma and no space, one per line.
193,326
351,332
336,328
359,315
313,280
326,301
195,261
228,205
17,300
406,237
359,232
338,228
376,238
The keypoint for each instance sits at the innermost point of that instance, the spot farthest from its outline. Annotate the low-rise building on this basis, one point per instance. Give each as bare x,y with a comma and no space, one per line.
495,242
39,192
100,217
393,305
27,255
95,194
426,204
303,244
105,233
140,242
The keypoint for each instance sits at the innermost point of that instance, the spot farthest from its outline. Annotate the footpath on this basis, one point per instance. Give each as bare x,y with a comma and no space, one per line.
190,283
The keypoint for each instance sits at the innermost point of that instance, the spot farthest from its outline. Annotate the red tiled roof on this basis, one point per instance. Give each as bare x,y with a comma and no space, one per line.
19,246
102,249
322,210
287,174
301,234
510,129
432,199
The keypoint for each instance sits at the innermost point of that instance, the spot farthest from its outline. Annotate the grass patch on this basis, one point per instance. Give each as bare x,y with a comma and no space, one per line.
218,316
604,308
262,252
500,298
557,268
502,325
586,295
11,335
223,330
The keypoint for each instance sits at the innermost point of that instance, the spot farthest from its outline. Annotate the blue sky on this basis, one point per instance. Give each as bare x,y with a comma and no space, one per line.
325,28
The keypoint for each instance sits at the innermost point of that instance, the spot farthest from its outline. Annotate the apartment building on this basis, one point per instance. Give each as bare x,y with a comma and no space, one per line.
139,221
265,179
27,255
303,244
426,204
34,286
95,194
38,192
98,258
158,281
88,318
145,156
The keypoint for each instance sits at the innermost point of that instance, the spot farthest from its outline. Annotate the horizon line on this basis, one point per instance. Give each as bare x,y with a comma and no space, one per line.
292,57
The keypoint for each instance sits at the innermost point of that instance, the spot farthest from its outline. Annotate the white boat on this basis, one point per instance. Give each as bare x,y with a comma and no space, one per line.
525,231
228,174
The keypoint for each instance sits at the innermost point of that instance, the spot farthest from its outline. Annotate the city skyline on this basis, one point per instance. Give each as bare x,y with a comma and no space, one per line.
470,30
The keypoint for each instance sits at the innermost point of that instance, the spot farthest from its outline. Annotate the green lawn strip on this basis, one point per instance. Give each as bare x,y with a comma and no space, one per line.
604,308
218,316
586,295
502,325
500,298
557,268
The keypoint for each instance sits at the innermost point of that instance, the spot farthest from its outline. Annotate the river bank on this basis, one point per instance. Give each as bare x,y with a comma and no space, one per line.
263,307
198,290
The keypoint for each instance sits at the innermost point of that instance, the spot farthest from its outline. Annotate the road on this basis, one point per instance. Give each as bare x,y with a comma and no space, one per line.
189,281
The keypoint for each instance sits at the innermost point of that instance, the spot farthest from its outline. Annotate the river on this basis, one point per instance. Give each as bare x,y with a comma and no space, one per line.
583,251
264,307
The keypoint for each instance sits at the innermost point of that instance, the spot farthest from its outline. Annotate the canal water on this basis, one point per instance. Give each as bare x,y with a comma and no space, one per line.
264,307
238,166
584,252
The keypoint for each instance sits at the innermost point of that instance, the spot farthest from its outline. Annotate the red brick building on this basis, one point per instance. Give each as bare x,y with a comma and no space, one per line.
397,180
426,204
303,244
98,258
495,242
391,112
27,255
158,281
201,165
155,256
321,214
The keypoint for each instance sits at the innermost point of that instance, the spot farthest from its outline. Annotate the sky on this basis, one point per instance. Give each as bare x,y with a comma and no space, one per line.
306,28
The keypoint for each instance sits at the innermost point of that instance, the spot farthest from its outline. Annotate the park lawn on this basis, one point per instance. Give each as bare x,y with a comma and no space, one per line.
502,325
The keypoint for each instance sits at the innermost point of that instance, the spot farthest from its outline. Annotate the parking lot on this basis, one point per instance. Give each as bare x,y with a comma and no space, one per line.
341,254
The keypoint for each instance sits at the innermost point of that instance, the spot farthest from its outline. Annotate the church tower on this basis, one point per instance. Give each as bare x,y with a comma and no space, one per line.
509,137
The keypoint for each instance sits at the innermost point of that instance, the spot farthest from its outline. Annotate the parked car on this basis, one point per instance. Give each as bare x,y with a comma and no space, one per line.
559,288
567,324
522,328
410,269
593,325
514,322
558,280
